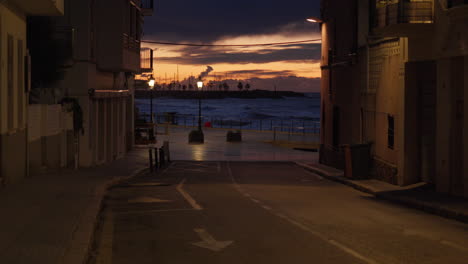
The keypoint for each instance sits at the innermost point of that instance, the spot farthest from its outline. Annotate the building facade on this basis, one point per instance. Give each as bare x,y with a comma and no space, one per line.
14,86
104,36
395,75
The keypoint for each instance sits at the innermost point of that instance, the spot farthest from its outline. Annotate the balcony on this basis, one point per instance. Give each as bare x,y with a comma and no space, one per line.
404,19
146,60
117,52
147,7
40,7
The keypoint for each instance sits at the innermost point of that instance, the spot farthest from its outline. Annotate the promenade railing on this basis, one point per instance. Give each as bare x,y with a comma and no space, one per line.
287,130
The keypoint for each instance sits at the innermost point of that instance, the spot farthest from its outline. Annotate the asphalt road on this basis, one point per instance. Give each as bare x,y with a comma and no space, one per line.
265,212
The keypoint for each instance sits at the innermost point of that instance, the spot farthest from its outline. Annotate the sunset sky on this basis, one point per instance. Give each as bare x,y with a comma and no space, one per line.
291,67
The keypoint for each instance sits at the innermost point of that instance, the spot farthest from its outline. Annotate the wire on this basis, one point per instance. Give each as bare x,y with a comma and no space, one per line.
221,45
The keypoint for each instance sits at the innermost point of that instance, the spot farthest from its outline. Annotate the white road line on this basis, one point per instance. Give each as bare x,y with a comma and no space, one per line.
307,229
187,196
453,245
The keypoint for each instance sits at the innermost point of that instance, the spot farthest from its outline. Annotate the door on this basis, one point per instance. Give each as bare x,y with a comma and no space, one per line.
427,84
456,172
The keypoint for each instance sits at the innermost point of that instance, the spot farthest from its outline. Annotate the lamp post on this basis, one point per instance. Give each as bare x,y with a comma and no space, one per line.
151,83
200,87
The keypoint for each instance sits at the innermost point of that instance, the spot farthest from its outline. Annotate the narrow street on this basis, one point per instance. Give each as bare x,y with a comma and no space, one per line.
264,212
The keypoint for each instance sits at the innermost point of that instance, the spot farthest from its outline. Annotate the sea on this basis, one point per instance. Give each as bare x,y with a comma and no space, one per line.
297,109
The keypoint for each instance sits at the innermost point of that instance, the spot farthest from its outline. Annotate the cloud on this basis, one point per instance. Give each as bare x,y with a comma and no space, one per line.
259,73
206,55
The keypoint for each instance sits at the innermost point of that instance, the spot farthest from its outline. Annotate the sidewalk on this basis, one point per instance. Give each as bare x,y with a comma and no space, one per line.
255,146
50,218
418,196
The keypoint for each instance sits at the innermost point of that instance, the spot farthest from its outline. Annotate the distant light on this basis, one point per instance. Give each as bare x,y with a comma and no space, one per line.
151,82
200,85
314,20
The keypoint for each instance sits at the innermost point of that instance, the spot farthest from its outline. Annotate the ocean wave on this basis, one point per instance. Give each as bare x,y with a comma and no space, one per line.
256,115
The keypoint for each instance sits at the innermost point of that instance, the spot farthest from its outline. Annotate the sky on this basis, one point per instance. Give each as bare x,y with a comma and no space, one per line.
289,67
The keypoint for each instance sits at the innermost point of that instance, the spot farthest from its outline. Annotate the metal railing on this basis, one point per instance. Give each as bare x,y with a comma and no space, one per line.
146,61
404,13
292,126
130,43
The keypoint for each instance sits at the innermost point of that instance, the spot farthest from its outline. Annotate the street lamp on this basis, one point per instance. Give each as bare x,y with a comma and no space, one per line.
314,20
200,87
151,82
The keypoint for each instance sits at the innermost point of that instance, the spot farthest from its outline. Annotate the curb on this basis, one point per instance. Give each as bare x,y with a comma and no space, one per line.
411,203
83,233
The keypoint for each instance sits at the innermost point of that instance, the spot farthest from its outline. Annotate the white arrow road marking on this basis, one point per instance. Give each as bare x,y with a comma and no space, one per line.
209,242
187,196
145,199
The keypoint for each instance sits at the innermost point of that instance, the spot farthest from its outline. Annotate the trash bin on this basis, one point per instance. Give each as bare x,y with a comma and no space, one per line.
357,161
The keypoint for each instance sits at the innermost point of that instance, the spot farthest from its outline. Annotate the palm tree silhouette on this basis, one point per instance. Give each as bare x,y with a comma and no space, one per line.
240,86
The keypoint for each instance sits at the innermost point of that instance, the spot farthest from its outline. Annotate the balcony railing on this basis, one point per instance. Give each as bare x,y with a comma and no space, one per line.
146,62
130,43
404,13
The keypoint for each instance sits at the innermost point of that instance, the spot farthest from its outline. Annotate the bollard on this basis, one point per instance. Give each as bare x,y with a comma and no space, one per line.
155,159
166,151
161,158
151,160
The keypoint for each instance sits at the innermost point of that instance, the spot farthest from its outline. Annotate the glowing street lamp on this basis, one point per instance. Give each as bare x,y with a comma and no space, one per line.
314,20
151,83
200,87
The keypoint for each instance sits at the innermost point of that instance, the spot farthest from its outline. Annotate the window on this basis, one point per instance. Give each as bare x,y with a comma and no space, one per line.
391,132
10,85
20,83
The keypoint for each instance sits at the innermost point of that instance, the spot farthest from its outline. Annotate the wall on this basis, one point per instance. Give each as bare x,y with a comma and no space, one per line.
12,106
451,49
11,23
50,138
384,97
